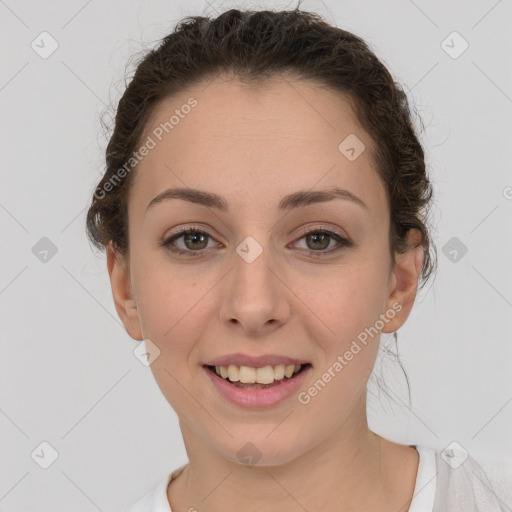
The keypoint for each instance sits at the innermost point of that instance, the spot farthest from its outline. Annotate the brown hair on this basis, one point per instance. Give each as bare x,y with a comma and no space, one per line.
255,46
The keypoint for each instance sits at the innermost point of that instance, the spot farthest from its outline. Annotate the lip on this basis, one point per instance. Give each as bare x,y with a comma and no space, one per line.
254,361
258,398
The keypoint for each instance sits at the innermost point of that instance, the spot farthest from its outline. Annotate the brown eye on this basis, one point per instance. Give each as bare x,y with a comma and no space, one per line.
318,241
194,241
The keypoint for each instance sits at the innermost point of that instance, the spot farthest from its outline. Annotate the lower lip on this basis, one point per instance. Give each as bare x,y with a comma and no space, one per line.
258,398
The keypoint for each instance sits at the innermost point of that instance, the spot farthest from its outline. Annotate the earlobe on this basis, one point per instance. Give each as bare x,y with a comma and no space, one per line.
404,281
124,302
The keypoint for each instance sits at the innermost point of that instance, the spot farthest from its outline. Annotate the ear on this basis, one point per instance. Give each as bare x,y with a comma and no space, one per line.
404,282
120,282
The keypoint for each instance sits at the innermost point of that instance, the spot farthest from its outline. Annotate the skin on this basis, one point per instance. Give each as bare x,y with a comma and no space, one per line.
253,146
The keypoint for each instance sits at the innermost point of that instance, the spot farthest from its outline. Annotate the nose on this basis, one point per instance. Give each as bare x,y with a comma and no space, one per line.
255,296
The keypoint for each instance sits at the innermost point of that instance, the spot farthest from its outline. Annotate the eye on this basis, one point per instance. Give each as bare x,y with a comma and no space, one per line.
318,240
195,242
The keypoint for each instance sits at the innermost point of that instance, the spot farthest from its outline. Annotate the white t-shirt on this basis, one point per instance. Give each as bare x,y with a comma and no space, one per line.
440,487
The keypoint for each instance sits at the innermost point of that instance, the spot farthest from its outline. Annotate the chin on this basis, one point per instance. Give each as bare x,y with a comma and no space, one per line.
261,451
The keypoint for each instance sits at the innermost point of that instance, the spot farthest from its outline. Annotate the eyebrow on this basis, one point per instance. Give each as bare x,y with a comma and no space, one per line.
294,200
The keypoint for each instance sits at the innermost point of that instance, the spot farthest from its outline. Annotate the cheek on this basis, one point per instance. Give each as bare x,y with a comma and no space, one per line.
343,301
349,337
168,295
171,318
348,311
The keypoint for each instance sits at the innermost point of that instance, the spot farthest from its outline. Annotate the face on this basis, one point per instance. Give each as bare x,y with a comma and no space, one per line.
255,278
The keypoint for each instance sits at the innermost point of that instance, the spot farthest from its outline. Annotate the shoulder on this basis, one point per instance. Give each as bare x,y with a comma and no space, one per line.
156,499
464,483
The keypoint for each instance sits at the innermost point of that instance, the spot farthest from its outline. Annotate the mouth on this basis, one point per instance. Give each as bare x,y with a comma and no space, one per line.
258,378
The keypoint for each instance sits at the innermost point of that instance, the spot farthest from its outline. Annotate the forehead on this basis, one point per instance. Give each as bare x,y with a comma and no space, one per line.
279,108
265,141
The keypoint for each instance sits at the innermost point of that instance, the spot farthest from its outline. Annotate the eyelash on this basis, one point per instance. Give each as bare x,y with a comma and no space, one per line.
342,242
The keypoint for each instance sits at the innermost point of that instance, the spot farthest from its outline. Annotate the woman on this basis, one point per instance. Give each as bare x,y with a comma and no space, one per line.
282,148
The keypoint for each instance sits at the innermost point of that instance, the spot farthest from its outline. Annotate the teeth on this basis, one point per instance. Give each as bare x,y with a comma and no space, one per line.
264,375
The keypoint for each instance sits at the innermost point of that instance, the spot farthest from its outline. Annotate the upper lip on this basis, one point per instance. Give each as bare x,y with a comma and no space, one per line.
254,361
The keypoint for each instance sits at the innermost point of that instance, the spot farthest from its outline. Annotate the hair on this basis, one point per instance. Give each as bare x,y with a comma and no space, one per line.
256,46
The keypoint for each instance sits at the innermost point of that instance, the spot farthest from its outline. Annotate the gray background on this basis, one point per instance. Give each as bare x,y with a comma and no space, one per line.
68,373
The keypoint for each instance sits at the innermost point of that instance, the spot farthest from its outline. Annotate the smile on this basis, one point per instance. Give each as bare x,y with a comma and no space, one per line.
257,387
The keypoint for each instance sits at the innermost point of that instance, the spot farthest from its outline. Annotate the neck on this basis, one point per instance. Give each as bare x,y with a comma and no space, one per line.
349,470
